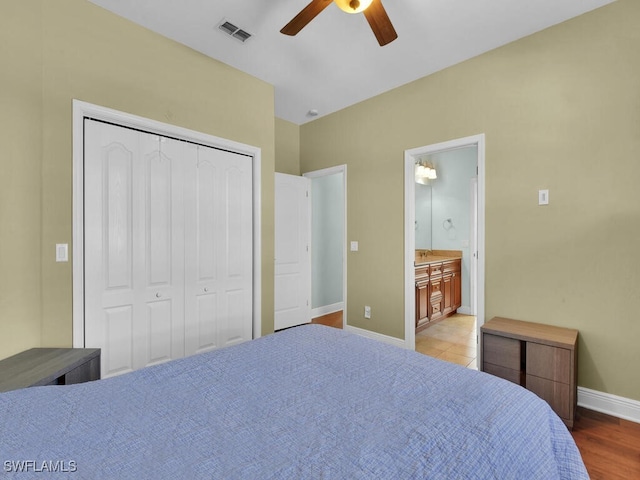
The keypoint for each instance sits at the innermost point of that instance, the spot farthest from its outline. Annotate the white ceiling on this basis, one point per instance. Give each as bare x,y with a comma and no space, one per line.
335,61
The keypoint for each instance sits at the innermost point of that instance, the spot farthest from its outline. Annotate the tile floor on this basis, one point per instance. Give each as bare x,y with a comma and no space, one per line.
452,339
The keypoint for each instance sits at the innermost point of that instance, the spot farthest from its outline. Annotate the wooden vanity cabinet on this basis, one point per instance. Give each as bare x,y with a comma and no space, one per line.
541,358
435,291
454,270
438,290
451,286
422,296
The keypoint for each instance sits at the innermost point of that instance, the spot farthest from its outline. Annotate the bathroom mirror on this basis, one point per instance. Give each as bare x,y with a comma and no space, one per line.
423,223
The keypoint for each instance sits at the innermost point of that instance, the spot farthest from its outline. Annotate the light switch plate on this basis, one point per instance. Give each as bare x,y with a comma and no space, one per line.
543,197
354,246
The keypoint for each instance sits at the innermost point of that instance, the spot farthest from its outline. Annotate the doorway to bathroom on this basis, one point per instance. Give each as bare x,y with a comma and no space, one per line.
444,213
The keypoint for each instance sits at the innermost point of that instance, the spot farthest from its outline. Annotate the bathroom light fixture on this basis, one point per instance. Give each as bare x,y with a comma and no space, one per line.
353,6
424,172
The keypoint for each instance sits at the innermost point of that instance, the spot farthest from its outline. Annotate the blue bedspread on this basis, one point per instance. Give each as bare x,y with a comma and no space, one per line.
311,402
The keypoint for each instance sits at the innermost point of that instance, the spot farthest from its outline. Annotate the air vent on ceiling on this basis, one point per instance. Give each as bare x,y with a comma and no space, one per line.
233,31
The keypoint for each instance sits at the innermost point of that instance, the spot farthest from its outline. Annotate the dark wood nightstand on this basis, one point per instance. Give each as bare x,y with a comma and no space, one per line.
541,358
49,366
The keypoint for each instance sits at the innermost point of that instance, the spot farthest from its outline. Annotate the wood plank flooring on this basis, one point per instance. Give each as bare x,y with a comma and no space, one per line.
330,320
610,446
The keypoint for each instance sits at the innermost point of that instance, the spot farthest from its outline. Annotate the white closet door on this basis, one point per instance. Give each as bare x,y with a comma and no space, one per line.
218,255
134,295
168,247
292,283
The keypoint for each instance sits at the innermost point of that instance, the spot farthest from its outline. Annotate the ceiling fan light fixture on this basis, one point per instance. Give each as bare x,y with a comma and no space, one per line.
353,6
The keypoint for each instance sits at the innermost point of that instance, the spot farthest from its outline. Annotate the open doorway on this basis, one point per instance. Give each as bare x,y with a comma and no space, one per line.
328,246
445,230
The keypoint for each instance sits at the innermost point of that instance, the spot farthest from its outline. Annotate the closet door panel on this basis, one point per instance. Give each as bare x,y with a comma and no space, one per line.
117,165
236,255
168,247
161,247
159,326
134,247
207,324
233,322
159,196
202,226
208,221
218,255
234,225
117,336
110,300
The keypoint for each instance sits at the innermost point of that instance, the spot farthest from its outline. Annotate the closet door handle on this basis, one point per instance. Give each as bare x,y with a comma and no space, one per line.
158,295
206,289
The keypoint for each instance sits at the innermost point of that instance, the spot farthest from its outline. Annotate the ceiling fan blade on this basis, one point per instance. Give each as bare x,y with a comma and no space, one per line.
380,23
307,14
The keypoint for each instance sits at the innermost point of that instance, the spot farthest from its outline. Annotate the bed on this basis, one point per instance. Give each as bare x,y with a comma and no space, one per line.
311,402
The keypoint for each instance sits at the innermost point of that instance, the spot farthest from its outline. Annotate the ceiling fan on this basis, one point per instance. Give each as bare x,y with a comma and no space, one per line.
373,11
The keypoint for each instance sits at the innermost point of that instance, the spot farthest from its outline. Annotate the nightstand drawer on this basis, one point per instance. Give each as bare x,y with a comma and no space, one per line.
549,362
502,372
501,351
556,394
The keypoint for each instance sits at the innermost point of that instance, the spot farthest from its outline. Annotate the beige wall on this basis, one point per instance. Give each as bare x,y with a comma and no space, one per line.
53,52
560,110
20,175
287,147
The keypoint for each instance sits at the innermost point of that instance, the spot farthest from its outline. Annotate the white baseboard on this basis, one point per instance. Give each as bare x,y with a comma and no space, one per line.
398,342
620,407
327,309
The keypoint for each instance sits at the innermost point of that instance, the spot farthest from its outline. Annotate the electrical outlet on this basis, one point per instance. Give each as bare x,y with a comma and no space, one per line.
367,311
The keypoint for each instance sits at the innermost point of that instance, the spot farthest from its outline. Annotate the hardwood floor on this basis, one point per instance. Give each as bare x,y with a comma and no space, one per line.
331,320
610,446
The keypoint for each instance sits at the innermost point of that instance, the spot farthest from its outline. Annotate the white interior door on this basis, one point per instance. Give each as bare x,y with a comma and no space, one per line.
218,226
292,251
168,247
133,251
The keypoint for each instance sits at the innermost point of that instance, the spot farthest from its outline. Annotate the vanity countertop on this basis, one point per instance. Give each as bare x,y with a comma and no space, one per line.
434,256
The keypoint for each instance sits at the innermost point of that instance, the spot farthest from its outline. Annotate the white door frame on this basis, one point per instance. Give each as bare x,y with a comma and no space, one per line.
323,173
409,229
473,300
84,109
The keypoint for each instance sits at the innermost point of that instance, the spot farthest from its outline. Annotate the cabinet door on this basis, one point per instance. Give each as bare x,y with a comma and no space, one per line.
422,303
457,290
447,294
